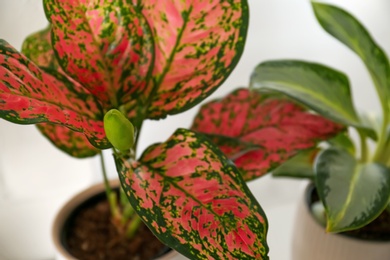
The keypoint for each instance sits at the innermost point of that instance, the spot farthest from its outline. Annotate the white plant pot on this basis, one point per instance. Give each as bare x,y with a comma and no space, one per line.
311,242
60,252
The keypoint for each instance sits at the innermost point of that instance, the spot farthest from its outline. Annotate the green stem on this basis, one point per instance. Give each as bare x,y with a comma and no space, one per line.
364,153
386,154
111,196
133,226
127,213
381,146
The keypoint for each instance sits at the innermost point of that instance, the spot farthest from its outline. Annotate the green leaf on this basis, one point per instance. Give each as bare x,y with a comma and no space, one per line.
194,199
373,122
343,141
347,29
37,47
321,88
353,193
299,166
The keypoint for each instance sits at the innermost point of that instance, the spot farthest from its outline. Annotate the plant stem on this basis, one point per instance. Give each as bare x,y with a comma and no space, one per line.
364,153
133,226
111,196
386,156
127,213
381,146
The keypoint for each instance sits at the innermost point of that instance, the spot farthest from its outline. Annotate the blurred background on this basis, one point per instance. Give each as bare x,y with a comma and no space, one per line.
36,178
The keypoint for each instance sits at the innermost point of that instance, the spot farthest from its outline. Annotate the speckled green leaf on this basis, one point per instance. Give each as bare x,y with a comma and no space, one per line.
37,47
321,88
299,166
353,193
198,43
194,199
259,132
29,95
106,46
347,29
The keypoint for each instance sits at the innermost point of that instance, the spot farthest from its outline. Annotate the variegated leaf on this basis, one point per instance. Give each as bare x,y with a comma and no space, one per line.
29,95
71,142
104,45
198,43
194,199
37,47
353,193
259,132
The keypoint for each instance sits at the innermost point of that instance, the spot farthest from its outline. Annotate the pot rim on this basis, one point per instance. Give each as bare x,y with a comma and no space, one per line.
66,210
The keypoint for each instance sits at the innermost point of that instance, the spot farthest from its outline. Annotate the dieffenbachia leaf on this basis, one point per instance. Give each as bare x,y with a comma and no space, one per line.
106,46
353,193
348,30
37,47
321,88
193,199
29,95
259,132
198,43
343,141
299,166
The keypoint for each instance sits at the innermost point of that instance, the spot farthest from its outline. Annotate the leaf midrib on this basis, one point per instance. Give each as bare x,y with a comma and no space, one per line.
225,224
160,79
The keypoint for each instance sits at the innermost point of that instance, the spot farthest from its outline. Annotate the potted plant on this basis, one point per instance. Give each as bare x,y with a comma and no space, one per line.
94,57
130,61
353,189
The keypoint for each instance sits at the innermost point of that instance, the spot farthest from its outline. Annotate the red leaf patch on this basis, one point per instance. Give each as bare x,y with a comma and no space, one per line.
260,132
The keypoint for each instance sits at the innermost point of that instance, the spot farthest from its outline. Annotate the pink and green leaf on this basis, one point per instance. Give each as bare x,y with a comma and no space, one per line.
37,47
194,199
71,142
259,132
29,95
106,46
198,43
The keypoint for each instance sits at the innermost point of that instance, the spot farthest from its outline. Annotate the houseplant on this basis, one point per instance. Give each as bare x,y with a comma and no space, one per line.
149,60
354,188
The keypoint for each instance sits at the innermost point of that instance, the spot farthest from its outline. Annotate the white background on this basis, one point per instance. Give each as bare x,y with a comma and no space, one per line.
35,178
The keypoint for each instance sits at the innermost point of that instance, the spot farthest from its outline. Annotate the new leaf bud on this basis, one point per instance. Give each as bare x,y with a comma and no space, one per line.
119,130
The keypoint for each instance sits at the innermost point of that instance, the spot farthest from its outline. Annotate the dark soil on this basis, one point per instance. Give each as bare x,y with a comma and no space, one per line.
91,235
377,230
